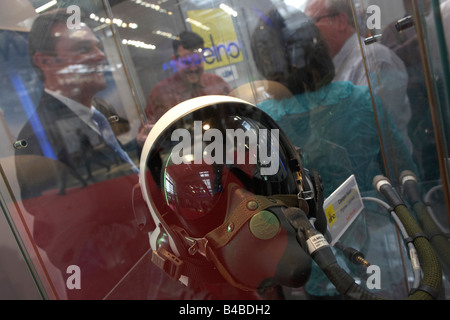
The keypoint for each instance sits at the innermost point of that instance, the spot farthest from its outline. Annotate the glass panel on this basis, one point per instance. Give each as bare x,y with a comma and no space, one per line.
399,34
335,80
436,35
70,173
18,278
416,36
333,114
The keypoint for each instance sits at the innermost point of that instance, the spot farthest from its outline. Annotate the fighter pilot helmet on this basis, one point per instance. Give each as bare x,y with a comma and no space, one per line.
215,173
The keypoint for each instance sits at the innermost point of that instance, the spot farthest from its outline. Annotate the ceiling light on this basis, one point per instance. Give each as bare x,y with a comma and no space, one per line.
46,6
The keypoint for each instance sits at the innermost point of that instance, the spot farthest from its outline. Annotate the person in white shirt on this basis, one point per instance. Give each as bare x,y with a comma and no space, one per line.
387,73
445,13
405,44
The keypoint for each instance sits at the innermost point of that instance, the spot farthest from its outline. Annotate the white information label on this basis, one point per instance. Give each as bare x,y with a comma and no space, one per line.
316,242
342,207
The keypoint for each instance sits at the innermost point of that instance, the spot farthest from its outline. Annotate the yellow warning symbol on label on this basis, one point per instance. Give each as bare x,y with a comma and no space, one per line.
331,215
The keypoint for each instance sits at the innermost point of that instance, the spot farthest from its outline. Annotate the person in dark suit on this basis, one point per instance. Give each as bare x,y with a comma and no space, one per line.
89,155
93,226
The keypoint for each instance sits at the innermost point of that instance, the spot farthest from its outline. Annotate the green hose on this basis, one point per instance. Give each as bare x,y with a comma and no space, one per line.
432,273
438,240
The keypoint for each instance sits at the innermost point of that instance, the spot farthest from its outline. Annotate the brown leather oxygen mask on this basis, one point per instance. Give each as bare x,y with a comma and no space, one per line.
256,246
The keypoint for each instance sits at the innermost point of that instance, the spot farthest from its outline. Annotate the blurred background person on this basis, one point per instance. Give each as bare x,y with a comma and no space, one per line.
189,81
387,74
332,122
405,44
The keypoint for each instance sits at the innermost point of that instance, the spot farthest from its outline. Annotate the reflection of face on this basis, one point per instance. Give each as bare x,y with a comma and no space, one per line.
325,22
190,65
78,59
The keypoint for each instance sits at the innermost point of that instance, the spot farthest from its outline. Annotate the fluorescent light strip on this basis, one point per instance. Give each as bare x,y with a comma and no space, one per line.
228,10
139,44
46,6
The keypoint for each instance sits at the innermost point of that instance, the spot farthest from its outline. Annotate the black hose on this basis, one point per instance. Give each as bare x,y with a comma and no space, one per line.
322,254
344,283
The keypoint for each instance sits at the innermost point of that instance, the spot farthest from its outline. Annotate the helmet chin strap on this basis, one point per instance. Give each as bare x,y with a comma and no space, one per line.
244,211
207,246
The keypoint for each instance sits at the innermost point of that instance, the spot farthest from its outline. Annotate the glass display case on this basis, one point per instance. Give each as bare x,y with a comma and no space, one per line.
359,87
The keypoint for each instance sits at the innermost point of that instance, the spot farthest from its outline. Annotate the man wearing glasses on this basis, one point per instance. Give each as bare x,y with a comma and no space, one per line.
387,72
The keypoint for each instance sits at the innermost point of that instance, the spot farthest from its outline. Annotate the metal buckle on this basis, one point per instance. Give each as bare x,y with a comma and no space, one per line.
306,195
197,245
194,244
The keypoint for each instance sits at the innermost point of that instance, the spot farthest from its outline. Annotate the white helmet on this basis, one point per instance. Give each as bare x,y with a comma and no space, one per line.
215,172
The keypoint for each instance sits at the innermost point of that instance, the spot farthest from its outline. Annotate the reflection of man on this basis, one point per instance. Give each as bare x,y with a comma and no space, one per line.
188,82
89,155
71,65
94,227
334,18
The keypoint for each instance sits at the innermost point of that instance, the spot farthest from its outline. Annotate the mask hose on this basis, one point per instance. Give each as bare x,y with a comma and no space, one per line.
321,253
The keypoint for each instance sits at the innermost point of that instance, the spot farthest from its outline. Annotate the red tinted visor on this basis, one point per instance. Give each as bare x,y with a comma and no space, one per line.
192,163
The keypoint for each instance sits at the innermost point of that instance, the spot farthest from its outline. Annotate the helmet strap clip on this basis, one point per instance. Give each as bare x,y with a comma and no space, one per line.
168,262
